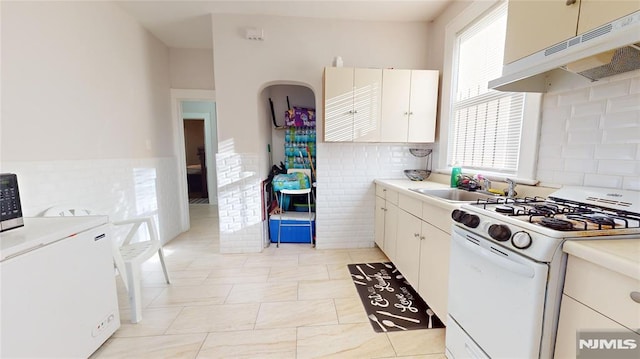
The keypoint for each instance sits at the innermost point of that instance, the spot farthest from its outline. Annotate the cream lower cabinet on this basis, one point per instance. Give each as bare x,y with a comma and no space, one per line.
408,247
422,253
409,104
379,221
386,221
391,230
595,299
433,284
576,317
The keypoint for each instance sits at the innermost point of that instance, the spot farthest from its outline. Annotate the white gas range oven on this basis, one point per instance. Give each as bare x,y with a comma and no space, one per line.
507,266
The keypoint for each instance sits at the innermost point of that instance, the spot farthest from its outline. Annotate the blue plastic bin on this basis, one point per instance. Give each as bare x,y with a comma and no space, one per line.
292,234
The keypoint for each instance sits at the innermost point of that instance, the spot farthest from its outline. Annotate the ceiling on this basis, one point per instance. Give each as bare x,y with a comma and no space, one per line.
187,23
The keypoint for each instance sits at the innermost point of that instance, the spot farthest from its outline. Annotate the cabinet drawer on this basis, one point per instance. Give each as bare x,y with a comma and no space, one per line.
389,195
588,283
438,217
411,205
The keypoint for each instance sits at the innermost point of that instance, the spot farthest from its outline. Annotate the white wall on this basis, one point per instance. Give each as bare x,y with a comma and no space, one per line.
191,68
295,51
85,110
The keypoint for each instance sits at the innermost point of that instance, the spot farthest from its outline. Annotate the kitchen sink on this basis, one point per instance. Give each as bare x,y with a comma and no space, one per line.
454,194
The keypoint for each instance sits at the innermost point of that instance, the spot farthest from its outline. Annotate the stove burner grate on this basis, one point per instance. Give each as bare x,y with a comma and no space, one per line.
599,219
557,224
505,209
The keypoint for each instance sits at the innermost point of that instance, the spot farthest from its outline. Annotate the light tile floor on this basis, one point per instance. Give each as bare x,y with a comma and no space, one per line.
289,302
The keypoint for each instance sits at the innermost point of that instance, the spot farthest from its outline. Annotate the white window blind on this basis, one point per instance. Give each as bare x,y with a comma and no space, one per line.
487,124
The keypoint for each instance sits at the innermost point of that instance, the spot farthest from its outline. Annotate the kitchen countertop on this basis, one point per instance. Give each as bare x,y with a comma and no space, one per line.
402,186
622,256
440,181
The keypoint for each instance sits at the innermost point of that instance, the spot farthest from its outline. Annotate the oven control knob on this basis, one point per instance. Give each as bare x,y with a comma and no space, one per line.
470,220
457,215
521,240
499,232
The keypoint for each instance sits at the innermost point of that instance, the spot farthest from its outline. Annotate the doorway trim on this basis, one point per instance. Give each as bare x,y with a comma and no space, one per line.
177,96
208,149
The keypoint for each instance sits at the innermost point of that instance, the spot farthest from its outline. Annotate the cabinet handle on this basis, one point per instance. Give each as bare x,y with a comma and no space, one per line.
350,112
410,113
422,238
406,113
570,2
384,190
356,111
417,235
635,296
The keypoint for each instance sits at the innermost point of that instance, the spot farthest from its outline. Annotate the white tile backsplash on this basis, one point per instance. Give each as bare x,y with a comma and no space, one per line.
612,89
621,120
239,202
612,152
573,151
119,188
591,136
630,103
346,193
589,108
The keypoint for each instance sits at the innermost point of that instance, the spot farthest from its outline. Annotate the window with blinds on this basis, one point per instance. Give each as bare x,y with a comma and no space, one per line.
486,124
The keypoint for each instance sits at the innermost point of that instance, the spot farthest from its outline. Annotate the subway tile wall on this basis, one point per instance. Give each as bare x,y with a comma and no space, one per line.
239,202
591,136
345,189
119,188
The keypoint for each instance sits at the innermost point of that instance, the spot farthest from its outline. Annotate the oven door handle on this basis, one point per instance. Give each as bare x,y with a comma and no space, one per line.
498,259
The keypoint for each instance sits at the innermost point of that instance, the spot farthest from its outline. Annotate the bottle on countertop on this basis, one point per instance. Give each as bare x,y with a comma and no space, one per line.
456,171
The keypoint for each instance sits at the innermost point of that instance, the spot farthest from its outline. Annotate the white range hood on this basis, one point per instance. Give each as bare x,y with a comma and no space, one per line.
609,50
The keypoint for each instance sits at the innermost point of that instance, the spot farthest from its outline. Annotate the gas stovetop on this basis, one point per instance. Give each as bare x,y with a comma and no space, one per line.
537,226
561,215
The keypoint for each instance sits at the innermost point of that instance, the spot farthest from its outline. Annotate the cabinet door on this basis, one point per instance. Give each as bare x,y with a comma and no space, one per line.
367,104
391,230
574,317
338,104
536,25
423,102
396,85
379,224
594,13
408,247
433,284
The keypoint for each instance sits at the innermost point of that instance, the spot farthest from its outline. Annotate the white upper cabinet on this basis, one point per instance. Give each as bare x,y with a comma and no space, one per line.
409,104
423,102
594,13
535,25
352,100
396,87
375,105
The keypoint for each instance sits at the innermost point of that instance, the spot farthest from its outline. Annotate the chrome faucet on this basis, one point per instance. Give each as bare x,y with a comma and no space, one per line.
511,191
486,184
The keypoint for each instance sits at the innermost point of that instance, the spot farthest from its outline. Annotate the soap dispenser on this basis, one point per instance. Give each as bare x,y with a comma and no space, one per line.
456,171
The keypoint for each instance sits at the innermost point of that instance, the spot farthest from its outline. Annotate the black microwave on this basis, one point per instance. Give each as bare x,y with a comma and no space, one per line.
10,207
